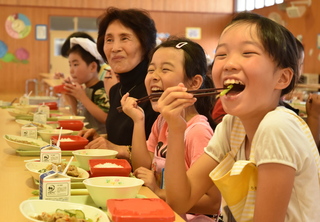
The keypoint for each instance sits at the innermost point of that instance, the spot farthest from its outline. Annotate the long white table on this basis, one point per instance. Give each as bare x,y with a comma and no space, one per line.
16,182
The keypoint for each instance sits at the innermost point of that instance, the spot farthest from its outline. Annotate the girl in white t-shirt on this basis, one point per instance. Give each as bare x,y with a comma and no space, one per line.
269,147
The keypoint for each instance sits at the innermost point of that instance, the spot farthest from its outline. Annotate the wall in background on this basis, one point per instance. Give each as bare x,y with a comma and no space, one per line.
307,26
35,57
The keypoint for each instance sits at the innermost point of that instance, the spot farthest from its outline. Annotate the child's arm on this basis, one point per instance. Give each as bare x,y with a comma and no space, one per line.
275,183
183,189
77,92
72,102
140,156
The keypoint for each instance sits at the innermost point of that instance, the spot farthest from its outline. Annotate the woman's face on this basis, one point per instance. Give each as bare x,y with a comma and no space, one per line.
166,69
122,47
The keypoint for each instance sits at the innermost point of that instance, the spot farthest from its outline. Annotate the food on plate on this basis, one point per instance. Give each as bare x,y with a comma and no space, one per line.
63,216
40,125
108,165
72,170
21,141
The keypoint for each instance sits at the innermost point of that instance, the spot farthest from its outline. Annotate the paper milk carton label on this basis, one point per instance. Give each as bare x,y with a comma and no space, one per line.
24,100
50,153
54,186
40,117
44,109
29,130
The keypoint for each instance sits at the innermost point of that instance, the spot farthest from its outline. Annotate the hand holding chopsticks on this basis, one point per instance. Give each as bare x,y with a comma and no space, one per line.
197,93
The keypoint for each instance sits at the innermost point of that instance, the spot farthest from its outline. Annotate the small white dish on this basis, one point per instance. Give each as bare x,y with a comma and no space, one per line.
35,167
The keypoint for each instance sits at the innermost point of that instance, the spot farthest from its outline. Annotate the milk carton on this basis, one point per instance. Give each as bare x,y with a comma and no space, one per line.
40,117
29,130
44,109
50,153
24,100
54,186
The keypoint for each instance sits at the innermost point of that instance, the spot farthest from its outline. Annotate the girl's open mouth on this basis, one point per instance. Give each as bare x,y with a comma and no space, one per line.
237,86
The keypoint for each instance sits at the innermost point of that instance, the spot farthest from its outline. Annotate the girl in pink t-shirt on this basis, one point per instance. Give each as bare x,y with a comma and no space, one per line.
177,63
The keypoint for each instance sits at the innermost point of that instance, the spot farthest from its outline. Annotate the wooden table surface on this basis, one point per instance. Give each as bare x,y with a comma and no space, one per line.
16,183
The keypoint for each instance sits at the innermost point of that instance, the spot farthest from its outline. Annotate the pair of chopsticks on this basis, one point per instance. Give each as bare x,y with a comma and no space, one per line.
197,93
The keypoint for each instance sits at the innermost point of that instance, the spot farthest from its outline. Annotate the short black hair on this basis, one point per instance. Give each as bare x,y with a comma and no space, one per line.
138,20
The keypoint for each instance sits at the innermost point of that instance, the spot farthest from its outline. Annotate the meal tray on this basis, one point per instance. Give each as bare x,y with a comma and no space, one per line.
37,152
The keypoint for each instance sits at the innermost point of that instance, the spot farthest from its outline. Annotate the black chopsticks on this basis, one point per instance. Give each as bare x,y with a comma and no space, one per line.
197,93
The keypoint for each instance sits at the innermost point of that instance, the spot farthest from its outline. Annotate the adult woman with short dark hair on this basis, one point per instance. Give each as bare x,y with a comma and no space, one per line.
125,38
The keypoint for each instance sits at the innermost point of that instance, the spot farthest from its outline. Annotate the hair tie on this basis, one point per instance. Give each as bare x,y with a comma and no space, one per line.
181,44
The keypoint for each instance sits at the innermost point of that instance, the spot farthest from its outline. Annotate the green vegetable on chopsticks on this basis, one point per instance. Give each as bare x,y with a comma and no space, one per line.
224,92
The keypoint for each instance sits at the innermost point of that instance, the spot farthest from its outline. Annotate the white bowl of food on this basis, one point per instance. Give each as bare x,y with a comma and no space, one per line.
84,155
31,209
47,133
24,143
102,189
81,118
76,174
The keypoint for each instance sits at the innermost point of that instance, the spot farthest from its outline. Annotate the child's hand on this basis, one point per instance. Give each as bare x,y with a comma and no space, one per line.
98,143
172,104
89,134
148,177
68,80
131,108
58,75
75,90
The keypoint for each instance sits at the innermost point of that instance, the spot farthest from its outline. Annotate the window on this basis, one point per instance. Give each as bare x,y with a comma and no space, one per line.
249,5
83,24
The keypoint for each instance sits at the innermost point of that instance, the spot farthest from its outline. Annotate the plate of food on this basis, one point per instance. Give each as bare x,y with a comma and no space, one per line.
26,108
75,173
24,143
36,210
39,126
20,113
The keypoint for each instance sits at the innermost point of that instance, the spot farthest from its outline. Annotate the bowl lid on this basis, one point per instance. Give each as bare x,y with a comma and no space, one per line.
142,210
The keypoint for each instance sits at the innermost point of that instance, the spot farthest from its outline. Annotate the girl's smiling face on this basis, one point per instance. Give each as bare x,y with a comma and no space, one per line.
166,69
242,60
